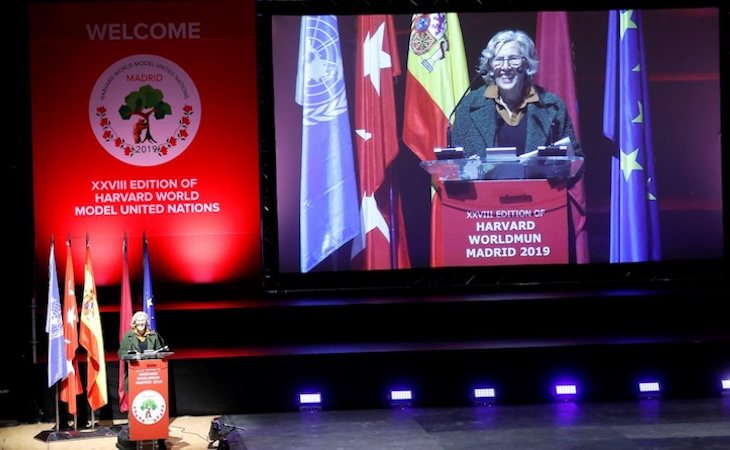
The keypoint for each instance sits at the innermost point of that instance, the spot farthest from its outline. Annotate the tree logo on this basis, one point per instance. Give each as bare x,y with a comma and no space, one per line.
144,110
148,407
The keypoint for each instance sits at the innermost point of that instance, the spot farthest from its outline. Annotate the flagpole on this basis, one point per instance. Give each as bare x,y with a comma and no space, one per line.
393,225
58,413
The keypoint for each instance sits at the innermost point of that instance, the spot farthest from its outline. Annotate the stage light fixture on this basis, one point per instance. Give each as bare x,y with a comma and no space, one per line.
400,398
649,389
214,432
566,392
484,396
310,401
725,386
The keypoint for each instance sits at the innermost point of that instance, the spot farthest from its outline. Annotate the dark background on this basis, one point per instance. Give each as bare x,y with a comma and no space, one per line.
242,350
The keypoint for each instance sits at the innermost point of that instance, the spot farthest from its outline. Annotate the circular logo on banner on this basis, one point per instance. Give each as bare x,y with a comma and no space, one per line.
148,407
144,110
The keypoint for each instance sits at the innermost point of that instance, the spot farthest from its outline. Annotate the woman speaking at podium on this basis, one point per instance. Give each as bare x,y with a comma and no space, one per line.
139,339
510,111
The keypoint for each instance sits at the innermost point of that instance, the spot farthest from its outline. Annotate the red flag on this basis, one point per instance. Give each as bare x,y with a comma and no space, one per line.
91,338
71,385
437,78
125,317
557,75
381,216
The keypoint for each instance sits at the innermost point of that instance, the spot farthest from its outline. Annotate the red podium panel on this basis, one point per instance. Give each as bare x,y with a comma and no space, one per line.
505,222
149,415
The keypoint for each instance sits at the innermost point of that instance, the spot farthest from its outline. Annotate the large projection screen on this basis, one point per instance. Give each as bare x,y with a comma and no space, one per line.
681,51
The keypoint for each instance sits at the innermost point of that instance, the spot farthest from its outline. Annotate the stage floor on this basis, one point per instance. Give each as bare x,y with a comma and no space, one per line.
637,425
655,424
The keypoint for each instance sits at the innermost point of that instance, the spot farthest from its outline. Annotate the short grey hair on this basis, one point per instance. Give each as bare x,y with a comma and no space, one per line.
139,315
527,47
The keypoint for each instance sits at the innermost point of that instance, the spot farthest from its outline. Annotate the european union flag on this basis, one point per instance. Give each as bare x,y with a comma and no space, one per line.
329,215
626,121
148,300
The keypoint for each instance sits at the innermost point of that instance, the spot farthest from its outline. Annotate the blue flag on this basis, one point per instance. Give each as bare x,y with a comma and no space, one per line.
626,121
57,369
148,300
329,213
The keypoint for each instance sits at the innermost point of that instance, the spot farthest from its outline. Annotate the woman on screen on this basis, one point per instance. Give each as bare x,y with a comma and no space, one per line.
511,111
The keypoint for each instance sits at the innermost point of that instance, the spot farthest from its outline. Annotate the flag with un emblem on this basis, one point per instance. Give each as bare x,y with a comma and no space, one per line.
57,369
329,215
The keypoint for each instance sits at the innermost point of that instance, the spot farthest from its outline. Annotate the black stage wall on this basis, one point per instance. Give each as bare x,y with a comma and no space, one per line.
253,354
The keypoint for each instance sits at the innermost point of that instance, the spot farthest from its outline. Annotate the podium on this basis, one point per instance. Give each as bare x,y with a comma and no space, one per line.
149,414
502,211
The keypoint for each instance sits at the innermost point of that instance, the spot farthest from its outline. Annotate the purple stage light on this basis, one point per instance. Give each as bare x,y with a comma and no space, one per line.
309,401
484,392
484,396
649,389
649,386
566,389
401,395
566,392
400,398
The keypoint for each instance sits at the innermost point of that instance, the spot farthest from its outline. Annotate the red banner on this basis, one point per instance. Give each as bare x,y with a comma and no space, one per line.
144,120
514,222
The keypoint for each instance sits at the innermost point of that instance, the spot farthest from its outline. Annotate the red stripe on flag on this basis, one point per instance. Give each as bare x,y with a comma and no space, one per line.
426,125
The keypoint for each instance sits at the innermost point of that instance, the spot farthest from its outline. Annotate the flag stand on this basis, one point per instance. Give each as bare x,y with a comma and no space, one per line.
56,434
67,435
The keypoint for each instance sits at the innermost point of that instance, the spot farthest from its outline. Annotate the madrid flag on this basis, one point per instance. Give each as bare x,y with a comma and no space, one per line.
383,240
71,385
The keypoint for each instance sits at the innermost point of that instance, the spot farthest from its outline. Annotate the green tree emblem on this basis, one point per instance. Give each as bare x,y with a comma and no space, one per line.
143,103
148,406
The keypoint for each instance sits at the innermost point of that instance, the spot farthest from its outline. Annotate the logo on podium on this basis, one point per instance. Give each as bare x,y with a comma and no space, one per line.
149,407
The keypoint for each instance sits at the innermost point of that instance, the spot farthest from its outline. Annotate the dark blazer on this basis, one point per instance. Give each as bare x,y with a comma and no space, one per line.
475,123
130,342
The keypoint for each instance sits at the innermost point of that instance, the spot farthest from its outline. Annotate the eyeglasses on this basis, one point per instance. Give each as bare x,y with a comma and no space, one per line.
512,61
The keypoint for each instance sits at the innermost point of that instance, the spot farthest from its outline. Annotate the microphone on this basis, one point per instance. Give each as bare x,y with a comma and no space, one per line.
479,73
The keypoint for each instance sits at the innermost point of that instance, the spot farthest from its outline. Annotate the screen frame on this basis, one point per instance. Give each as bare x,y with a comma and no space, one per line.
593,276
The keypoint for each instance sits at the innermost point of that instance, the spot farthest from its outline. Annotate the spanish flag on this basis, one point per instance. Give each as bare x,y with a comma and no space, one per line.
90,337
437,78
